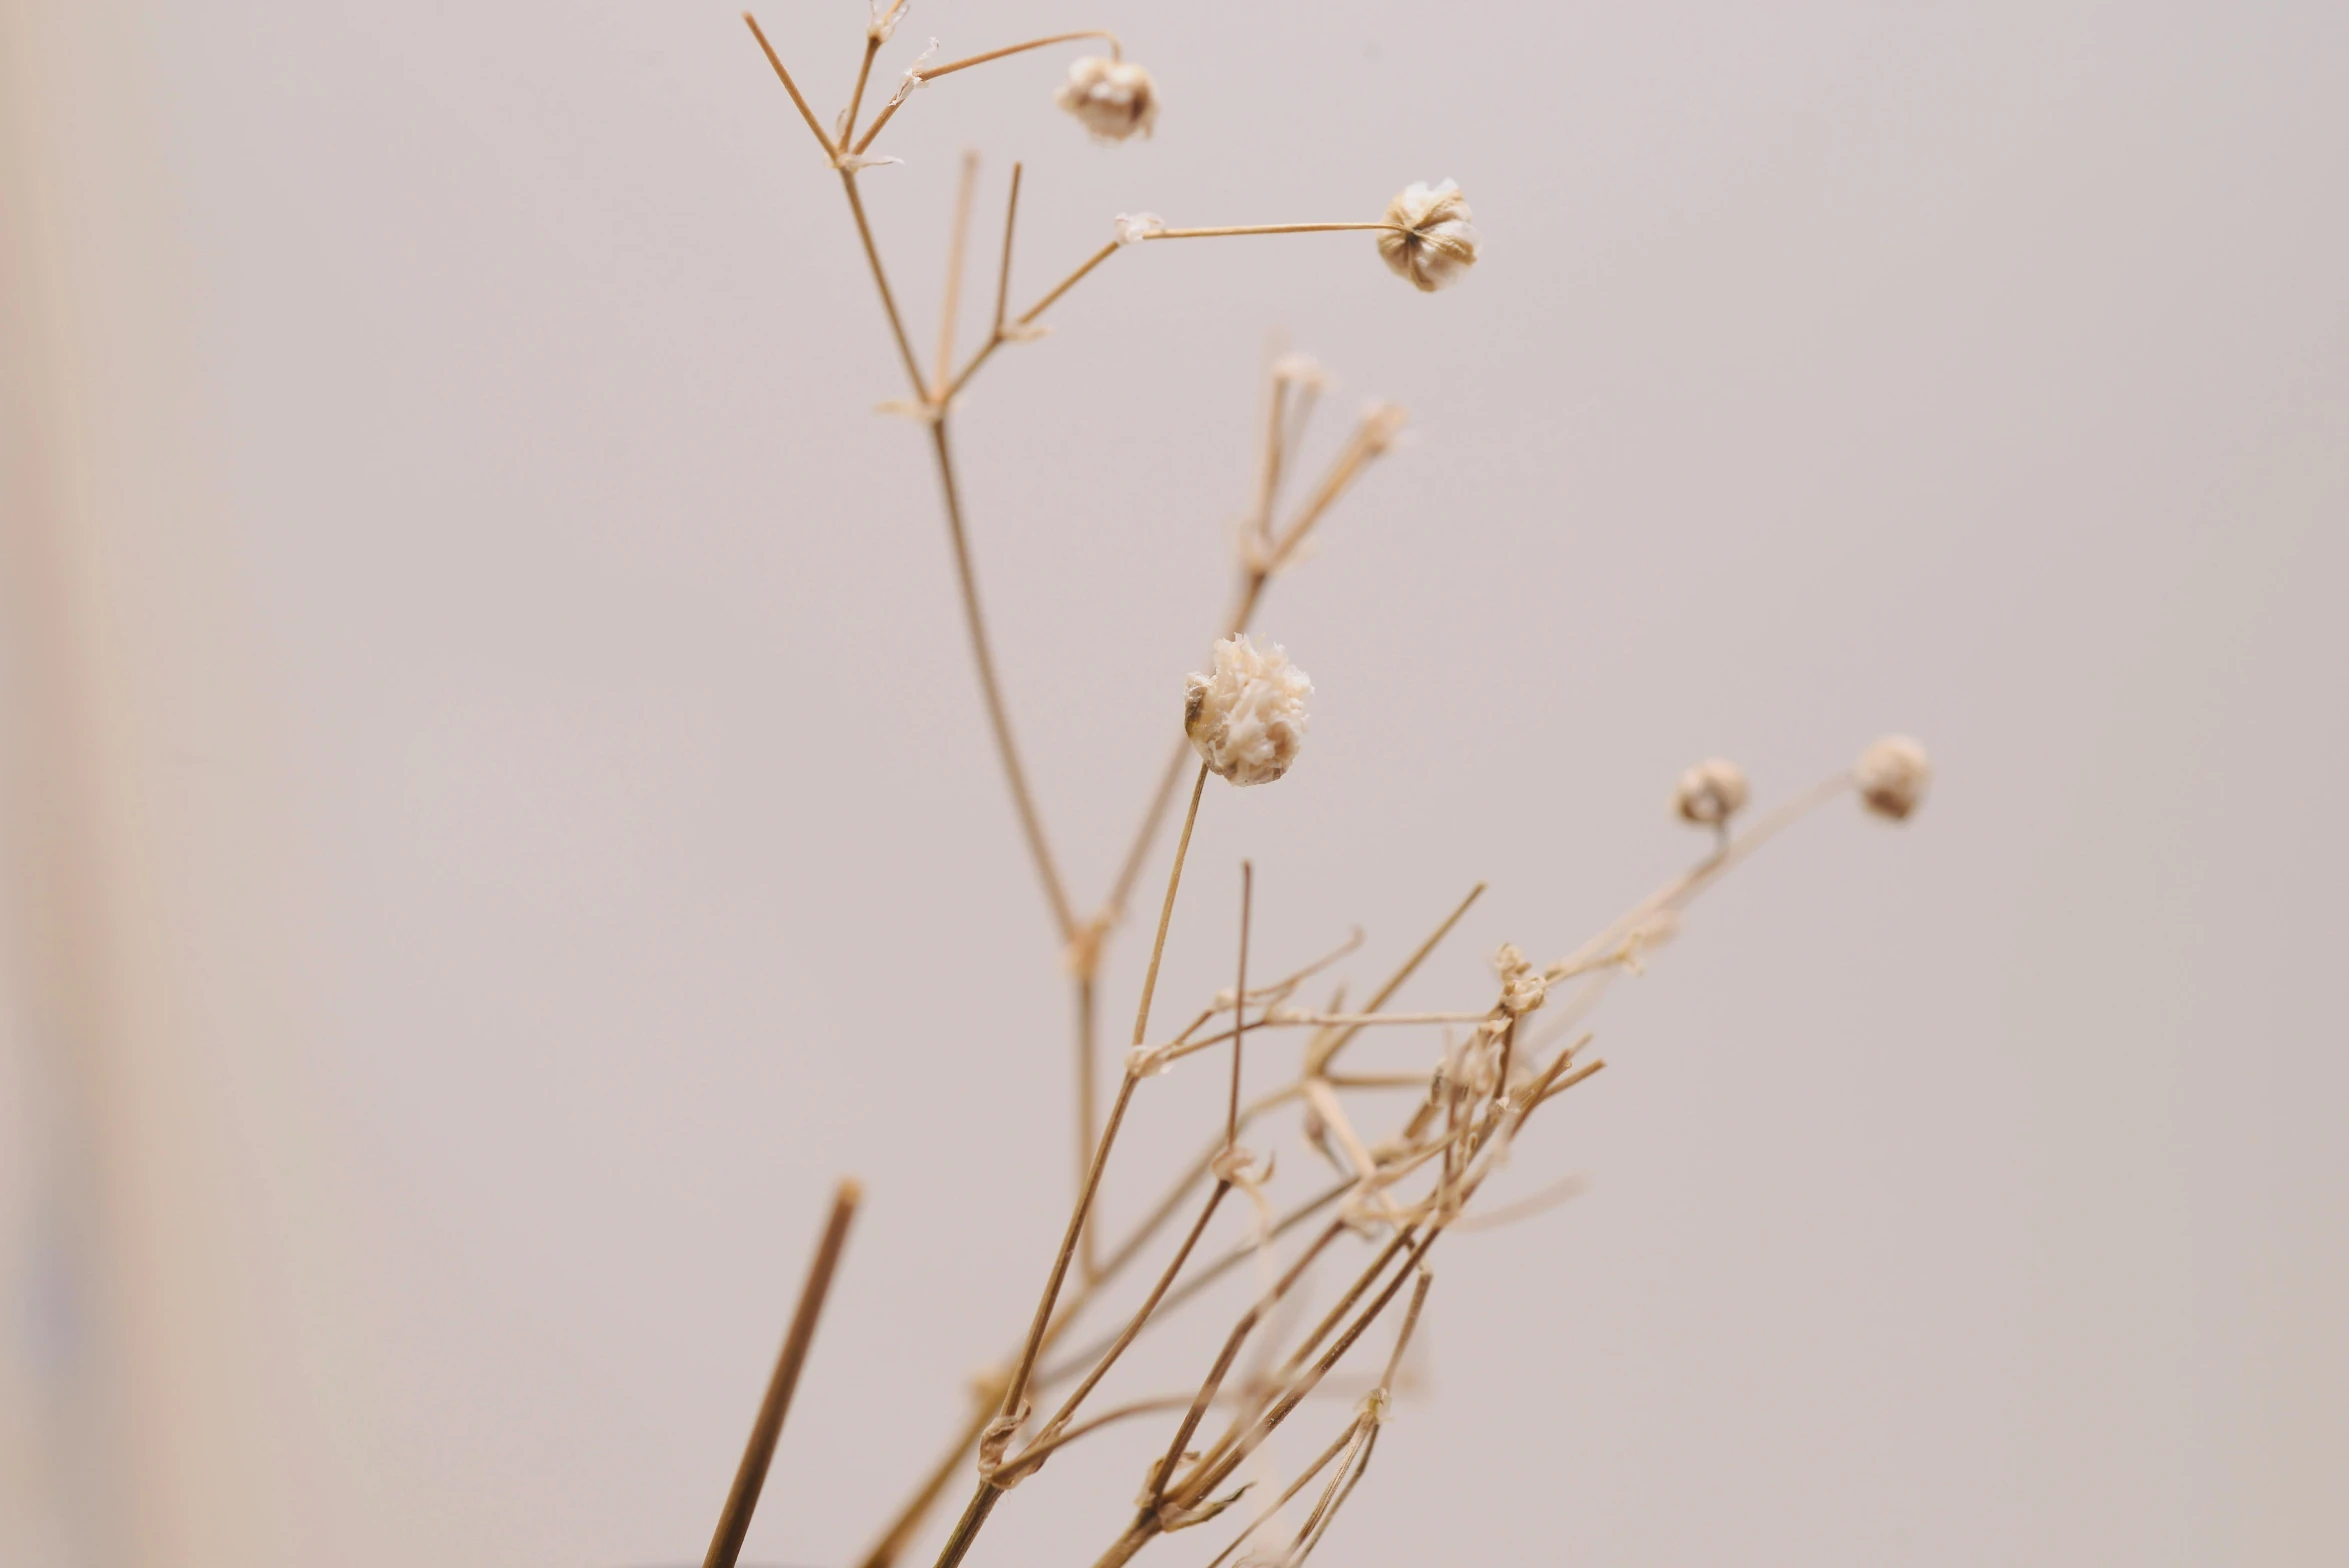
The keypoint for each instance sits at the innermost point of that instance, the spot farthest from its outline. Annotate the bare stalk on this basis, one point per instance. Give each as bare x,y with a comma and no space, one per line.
751,1475
791,87
864,71
864,232
954,249
889,110
983,655
1231,1116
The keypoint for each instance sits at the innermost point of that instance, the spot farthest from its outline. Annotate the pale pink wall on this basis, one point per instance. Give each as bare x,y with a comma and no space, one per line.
542,825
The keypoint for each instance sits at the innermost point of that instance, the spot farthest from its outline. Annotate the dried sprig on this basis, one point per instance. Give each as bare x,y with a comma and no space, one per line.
1410,1149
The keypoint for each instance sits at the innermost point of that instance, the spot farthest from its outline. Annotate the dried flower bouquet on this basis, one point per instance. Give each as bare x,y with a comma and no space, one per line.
1392,1186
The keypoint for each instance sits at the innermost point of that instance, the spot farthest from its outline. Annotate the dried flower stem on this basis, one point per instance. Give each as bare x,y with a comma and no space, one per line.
1228,231
983,656
954,251
791,87
1231,1117
1166,910
864,71
751,1475
1026,1461
864,232
889,110
1116,52
1011,212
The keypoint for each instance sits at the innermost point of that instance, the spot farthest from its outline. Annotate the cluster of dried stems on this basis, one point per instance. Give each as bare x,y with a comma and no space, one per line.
1393,1195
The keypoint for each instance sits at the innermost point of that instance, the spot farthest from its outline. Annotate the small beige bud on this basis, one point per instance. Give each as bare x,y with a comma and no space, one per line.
1710,793
1892,776
1115,98
1522,986
1135,227
1432,242
1247,720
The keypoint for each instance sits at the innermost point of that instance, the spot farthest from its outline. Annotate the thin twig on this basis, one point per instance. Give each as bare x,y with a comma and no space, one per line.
1116,52
751,1475
1231,1115
1021,1463
1011,212
889,110
1166,910
954,249
864,231
998,717
1322,1053
791,87
864,71
1268,228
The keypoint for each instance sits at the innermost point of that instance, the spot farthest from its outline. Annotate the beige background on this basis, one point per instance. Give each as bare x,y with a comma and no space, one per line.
499,816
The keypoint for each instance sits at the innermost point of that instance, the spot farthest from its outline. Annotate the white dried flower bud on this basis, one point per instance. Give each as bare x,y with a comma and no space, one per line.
1115,98
1892,776
1135,227
1522,986
1382,426
1433,241
884,19
1710,793
1301,370
1247,720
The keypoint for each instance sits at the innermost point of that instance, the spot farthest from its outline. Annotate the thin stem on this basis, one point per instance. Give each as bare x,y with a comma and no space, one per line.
1210,1472
791,87
1268,228
1322,1053
1015,1393
966,1529
1011,212
888,110
864,231
856,99
1028,317
1166,910
1208,1276
1231,1115
998,717
1116,52
1088,1096
751,1475
1304,1479
1019,1464
954,249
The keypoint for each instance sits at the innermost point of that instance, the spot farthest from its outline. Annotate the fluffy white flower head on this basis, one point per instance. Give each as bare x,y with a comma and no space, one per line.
1114,98
1433,242
1247,719
1893,775
1710,793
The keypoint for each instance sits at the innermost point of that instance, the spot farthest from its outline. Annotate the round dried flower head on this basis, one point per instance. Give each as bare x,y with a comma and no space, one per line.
1522,986
1247,719
1892,776
1432,242
1710,793
1115,98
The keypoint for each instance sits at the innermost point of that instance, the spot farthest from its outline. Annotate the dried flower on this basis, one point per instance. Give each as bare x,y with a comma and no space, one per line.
1892,776
1247,720
1115,98
1432,242
1135,227
1301,370
1522,985
1710,793
883,19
